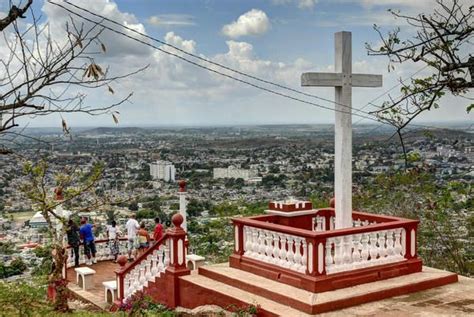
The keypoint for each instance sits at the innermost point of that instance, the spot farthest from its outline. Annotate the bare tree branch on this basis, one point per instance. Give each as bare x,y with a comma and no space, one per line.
14,13
44,75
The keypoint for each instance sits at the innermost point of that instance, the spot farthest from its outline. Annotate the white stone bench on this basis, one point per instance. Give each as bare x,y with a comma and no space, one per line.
85,277
195,260
110,291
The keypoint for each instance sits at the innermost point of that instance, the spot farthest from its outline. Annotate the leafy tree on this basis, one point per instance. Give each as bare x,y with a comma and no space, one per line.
16,267
153,204
7,247
22,298
446,224
196,207
146,214
73,186
441,43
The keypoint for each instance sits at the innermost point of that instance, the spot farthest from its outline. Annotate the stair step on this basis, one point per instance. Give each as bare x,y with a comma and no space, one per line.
276,291
283,294
243,296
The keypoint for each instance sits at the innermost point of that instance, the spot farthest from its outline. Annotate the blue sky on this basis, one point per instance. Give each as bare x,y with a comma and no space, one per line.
273,39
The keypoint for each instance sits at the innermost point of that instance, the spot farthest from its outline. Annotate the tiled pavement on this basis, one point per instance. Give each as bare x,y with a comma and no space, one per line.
105,271
455,299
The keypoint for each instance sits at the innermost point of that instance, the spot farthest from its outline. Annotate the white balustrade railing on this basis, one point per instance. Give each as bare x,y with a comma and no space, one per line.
103,252
319,223
284,250
354,251
147,270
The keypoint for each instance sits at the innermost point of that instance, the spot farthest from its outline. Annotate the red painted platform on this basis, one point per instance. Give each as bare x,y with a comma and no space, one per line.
222,285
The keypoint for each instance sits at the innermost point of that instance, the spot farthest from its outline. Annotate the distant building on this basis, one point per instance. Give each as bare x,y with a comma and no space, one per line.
163,170
233,172
38,221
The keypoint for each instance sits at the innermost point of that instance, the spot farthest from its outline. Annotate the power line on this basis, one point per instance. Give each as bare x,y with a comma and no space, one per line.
401,96
216,71
213,62
371,102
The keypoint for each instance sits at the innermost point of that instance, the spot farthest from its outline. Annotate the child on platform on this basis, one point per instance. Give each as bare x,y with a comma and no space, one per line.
143,239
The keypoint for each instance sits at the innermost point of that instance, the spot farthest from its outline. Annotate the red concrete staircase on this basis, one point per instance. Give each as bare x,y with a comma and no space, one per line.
228,287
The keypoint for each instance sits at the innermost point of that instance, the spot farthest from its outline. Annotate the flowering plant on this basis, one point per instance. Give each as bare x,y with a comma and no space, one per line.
140,304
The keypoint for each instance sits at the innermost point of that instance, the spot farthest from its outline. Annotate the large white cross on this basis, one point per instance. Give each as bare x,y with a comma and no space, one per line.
343,80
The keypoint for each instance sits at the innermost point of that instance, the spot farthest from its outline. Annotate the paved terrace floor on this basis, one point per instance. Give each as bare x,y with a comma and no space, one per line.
450,300
105,271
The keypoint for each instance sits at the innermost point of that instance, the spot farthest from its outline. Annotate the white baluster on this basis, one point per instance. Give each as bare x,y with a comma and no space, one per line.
160,257
126,285
398,245
356,258
319,223
248,241
255,246
304,258
328,259
154,262
347,249
390,247
136,281
283,253
268,247
365,248
338,252
142,278
297,265
261,244
382,249
373,250
276,250
290,254
148,276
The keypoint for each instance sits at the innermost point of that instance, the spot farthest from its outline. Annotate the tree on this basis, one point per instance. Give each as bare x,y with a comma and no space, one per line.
446,224
72,187
43,75
14,13
441,43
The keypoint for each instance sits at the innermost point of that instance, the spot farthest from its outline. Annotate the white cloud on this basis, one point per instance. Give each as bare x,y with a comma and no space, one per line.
171,91
169,20
307,4
254,22
302,4
116,44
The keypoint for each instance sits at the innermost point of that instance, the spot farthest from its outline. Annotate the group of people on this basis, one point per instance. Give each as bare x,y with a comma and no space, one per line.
137,235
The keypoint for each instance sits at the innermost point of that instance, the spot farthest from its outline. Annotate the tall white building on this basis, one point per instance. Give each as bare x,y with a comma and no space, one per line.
163,170
233,172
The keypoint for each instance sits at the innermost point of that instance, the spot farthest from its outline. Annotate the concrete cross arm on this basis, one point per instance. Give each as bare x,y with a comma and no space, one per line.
338,80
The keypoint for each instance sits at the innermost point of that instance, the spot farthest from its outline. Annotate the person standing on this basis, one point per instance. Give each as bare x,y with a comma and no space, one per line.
73,240
158,232
88,240
132,228
113,234
143,239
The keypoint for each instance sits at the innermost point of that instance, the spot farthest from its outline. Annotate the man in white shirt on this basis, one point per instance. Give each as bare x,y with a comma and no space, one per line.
132,228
